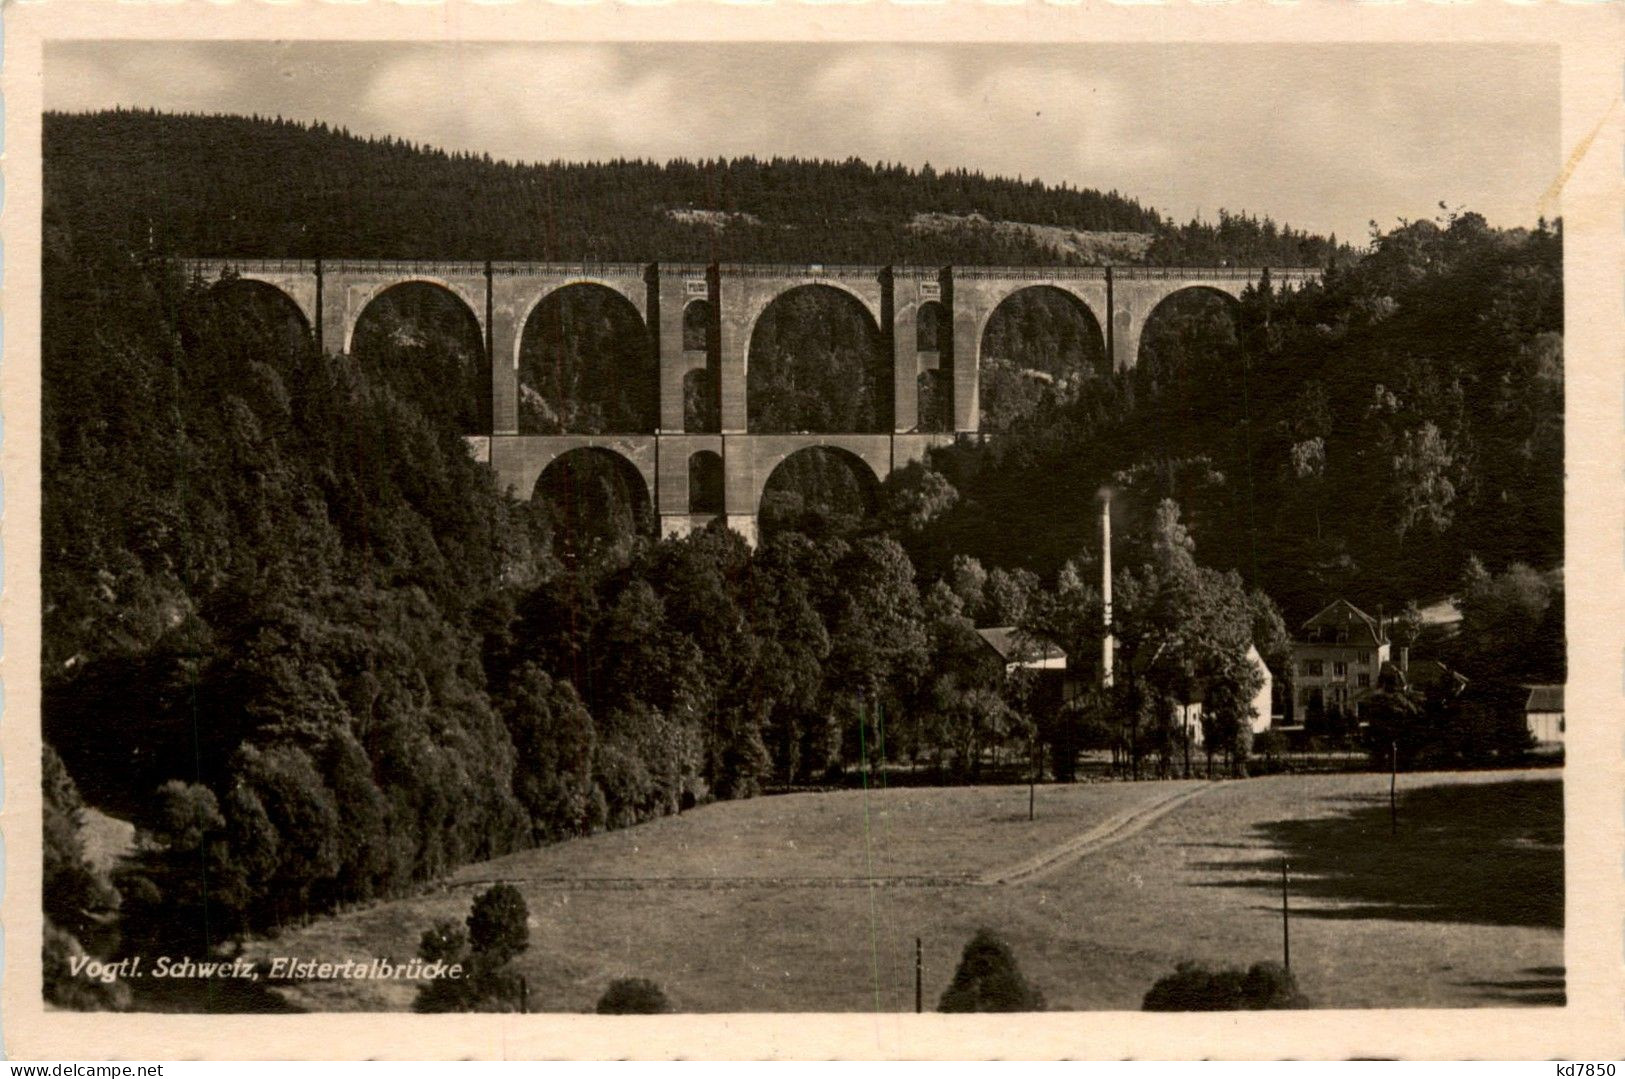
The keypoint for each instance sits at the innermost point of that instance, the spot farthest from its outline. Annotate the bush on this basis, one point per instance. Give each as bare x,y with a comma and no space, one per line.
633,996
988,980
445,941
1192,987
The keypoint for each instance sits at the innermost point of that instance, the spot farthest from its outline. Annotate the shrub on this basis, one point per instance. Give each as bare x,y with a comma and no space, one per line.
1192,987
988,980
633,996
445,941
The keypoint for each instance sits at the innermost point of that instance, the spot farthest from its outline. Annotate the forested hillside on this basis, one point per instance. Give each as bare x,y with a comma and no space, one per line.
1366,435
293,631
232,185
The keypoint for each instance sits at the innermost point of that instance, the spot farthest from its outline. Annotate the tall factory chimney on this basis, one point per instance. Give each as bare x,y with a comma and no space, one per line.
1107,644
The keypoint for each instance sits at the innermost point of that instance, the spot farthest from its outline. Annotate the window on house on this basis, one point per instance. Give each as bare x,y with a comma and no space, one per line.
1314,667
1365,680
1365,658
1340,669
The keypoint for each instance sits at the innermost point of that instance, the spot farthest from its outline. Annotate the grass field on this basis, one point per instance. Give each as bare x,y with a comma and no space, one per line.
812,902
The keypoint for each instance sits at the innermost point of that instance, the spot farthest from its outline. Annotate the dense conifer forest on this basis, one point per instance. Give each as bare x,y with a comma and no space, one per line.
233,185
295,634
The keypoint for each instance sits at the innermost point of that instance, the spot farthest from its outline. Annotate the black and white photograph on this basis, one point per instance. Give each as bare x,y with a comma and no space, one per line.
881,527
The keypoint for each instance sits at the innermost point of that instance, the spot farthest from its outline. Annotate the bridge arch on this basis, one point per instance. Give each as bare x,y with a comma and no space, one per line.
1167,305
470,304
933,377
592,492
264,295
757,306
587,362
702,398
424,342
699,326
932,325
705,482
1073,348
1013,289
817,477
619,287
815,396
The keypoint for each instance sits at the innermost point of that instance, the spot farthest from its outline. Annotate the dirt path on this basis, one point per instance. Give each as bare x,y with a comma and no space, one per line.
1107,833
1113,830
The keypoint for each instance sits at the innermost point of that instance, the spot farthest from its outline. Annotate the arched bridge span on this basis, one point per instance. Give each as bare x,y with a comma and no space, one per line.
958,299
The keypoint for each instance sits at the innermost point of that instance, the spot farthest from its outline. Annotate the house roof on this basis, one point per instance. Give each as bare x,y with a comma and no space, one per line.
1423,674
1014,647
1430,672
1544,699
1343,615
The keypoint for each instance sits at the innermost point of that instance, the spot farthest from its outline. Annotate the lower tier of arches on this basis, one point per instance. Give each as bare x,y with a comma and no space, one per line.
670,467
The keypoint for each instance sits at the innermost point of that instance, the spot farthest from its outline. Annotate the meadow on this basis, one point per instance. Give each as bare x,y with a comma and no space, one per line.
812,902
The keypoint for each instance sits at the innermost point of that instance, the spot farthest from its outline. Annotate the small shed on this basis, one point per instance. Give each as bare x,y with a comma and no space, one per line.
1543,712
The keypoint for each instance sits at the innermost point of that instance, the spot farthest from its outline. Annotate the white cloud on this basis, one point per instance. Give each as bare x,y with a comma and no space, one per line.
170,77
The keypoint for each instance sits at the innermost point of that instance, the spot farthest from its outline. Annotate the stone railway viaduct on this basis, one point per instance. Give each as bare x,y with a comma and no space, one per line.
956,301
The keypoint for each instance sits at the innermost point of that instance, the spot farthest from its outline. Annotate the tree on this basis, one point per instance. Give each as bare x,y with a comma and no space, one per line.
497,932
498,924
1007,596
1422,485
968,580
553,738
76,897
988,980
1183,628
1508,631
914,496
1396,723
878,646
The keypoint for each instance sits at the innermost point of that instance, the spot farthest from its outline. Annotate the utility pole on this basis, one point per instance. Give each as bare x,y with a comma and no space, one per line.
919,976
1393,784
1286,922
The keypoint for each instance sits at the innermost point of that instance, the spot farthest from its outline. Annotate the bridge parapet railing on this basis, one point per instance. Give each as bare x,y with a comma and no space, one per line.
916,273
1031,273
405,267
570,269
1223,273
797,269
213,266
683,269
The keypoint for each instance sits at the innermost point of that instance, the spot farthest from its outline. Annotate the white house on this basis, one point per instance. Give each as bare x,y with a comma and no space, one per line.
1189,713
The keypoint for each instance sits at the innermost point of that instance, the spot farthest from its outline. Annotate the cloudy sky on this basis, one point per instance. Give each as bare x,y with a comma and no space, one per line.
1324,137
